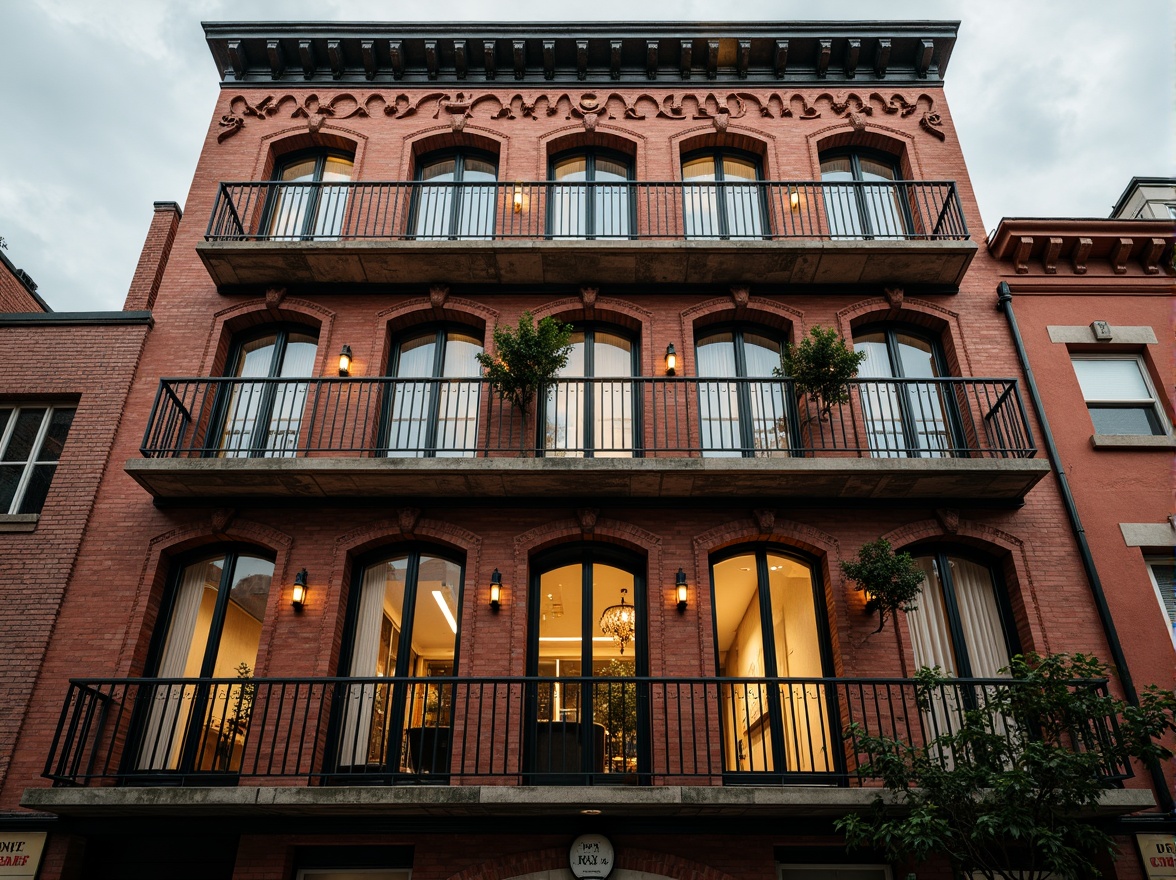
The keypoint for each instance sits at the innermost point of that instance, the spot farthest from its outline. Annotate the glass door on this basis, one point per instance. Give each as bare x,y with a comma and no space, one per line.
721,196
212,629
586,713
455,197
304,205
743,409
590,197
770,638
403,631
594,418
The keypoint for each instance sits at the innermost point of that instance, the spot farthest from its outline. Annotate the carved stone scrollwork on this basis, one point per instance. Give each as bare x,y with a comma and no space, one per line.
765,520
588,297
407,518
587,517
949,518
740,296
894,296
437,295
274,297
221,519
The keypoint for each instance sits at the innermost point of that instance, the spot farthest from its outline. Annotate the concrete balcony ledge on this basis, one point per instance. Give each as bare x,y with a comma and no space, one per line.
486,800
941,263
847,477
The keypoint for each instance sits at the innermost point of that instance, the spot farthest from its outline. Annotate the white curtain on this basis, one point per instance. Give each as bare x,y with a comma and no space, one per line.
165,730
359,699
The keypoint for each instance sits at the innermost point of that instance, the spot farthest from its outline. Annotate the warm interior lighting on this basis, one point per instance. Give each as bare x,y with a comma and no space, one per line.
575,638
518,198
345,361
444,606
680,587
495,589
671,360
298,591
619,621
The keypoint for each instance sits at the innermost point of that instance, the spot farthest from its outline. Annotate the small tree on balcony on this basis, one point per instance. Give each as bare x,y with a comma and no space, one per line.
891,581
527,358
1008,789
821,366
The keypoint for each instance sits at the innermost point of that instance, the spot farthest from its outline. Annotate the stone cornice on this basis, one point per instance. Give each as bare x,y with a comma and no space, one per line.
1038,245
792,53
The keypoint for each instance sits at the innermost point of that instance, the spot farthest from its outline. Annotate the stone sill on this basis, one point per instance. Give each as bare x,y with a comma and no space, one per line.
1132,441
18,522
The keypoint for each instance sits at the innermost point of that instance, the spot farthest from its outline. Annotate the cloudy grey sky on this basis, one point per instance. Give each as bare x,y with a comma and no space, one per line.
1058,103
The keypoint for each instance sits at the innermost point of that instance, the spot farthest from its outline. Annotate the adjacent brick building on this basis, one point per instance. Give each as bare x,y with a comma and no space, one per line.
341,608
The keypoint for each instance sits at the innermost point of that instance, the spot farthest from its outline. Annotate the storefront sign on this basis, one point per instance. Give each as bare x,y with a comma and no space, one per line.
1159,854
591,857
20,854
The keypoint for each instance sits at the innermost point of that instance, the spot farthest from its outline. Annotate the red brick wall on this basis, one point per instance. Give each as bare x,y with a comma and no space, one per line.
14,296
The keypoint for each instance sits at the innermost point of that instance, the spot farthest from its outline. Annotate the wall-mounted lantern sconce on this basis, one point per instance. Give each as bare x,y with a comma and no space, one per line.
495,590
671,360
680,588
298,592
794,200
518,198
345,361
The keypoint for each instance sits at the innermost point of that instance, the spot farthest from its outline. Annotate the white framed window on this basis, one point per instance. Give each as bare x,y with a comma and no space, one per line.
833,872
1119,394
1162,572
31,440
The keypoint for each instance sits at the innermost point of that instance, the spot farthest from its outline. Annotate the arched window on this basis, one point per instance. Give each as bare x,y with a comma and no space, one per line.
590,196
308,200
907,412
263,418
403,621
431,411
721,197
595,417
742,404
771,629
868,204
963,622
585,721
210,627
455,196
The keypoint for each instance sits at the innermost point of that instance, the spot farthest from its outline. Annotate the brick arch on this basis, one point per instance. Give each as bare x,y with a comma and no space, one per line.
611,310
291,140
632,863
873,136
414,312
937,320
1008,552
759,310
610,137
162,552
228,322
749,140
443,137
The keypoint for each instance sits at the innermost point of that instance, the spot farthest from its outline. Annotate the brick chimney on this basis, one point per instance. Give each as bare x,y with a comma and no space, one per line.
153,259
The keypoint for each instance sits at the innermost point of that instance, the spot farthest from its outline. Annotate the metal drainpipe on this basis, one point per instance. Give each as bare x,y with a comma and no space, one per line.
1005,304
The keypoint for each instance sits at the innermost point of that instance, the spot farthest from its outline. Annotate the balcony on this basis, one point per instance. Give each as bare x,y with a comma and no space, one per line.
654,438
475,746
845,233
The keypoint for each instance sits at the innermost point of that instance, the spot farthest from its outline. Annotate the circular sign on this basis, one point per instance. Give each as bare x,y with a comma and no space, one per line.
591,857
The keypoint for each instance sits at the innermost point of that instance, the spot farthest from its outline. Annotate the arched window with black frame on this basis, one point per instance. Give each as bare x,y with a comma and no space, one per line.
587,645
743,407
260,408
772,650
722,196
308,199
455,196
590,195
907,412
433,403
401,649
209,629
868,201
963,623
598,415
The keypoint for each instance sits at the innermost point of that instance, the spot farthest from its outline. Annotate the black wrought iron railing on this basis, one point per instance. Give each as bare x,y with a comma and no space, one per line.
603,418
533,730
427,211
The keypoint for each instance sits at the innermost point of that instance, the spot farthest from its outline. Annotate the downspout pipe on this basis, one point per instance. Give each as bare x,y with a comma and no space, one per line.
1118,658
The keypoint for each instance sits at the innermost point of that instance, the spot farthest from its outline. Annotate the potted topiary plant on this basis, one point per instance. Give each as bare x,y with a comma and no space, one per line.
527,358
821,366
891,581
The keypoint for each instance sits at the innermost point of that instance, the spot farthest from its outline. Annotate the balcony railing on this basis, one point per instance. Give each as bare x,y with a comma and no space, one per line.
534,730
276,211
680,417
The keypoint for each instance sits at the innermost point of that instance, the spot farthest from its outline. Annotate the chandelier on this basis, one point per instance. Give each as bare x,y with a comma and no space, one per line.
619,621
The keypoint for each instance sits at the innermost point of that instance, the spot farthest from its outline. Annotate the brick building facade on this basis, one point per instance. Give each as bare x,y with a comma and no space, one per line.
367,616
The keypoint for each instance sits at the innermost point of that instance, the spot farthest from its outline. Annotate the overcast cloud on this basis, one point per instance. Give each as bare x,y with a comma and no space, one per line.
1058,103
